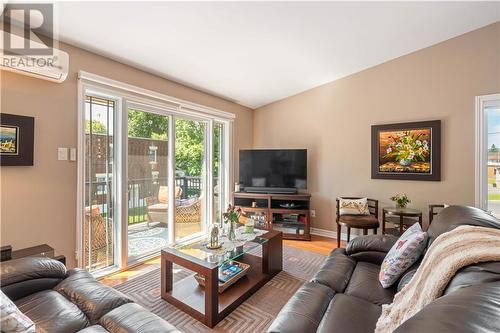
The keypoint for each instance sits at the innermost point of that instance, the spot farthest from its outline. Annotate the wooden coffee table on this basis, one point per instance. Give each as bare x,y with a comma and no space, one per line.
205,303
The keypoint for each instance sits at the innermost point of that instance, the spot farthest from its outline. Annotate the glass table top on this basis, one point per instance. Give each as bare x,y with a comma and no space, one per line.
401,210
229,250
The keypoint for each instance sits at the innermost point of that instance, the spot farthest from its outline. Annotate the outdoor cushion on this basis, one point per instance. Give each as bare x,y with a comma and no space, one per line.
163,193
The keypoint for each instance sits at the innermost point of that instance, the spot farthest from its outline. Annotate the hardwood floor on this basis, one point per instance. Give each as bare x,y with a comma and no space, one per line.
318,244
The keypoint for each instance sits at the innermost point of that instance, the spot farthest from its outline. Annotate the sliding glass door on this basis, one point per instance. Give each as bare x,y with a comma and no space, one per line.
147,182
190,178
151,175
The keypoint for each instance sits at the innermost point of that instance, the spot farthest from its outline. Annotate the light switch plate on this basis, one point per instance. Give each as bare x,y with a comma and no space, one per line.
72,154
62,154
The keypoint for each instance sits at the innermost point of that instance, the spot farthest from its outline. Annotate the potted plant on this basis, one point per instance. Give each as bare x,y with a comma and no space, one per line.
232,216
401,200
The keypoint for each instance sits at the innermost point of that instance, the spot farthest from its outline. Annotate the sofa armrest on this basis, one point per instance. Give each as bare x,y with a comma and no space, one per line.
375,243
25,276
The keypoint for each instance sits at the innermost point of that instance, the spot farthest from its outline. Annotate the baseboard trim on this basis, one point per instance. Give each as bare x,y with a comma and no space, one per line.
330,234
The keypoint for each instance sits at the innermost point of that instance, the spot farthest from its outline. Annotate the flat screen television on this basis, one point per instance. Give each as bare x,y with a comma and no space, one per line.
273,170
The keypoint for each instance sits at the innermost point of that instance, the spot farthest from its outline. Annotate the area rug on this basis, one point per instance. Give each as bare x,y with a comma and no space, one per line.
254,315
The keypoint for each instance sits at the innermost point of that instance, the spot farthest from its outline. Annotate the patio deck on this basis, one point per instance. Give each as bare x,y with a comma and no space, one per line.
143,239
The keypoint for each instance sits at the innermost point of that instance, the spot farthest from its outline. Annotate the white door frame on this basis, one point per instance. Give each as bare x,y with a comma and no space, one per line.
481,151
127,96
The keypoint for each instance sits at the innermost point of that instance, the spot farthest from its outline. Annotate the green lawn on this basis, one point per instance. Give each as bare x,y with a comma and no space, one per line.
492,181
493,196
137,215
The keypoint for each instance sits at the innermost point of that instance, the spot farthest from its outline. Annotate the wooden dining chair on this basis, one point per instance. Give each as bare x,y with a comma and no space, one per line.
364,222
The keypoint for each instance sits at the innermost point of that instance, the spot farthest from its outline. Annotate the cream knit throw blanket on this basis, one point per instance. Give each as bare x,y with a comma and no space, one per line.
450,251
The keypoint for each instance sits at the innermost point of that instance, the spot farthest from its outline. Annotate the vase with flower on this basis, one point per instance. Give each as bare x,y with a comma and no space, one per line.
401,200
231,217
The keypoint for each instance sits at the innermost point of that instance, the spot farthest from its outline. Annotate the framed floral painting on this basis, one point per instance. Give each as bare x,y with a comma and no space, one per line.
407,151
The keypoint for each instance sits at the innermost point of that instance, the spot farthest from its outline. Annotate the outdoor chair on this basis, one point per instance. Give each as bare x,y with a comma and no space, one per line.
98,238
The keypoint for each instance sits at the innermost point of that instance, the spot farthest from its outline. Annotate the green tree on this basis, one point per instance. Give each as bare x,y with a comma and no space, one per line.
189,139
97,127
147,125
493,149
189,146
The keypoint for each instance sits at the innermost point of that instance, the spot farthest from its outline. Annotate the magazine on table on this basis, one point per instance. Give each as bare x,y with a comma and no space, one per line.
228,270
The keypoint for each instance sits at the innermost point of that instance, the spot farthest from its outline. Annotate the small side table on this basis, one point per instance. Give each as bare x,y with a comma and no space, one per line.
43,250
407,216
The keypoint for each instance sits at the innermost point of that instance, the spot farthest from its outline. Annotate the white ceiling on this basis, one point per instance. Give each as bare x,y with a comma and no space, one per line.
255,53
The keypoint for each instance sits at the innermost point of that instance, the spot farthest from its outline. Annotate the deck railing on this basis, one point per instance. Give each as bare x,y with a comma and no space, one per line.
138,190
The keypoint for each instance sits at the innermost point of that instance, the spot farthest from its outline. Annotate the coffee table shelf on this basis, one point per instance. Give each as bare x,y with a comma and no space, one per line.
205,303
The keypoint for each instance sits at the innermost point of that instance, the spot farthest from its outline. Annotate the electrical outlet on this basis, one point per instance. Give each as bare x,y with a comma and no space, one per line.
313,213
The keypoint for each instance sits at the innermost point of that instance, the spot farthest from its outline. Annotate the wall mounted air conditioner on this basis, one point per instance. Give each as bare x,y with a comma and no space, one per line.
53,67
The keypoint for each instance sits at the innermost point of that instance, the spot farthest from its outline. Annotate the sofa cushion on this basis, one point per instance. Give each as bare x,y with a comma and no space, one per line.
364,284
94,298
134,318
304,311
94,329
335,271
404,253
474,274
408,275
455,216
469,309
31,268
52,312
378,243
349,314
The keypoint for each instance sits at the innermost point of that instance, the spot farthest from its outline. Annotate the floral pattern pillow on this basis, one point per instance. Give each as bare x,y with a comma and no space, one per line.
11,319
404,253
354,206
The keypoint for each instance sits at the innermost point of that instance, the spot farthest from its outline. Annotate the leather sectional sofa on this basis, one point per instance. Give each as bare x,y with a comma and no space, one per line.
61,301
345,295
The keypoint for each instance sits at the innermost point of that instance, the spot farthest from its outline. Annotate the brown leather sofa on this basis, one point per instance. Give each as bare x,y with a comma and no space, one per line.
345,295
61,301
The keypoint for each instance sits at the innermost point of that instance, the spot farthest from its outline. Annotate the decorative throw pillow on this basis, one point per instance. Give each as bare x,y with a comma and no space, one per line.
353,206
408,248
163,193
12,320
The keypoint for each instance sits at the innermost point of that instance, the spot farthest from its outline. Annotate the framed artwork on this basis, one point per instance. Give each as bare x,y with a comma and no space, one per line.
407,151
16,139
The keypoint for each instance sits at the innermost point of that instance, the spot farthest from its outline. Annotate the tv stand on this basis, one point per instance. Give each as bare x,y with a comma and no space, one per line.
288,213
274,190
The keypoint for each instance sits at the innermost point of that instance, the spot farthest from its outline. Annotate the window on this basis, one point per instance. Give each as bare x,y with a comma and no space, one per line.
488,153
98,234
154,172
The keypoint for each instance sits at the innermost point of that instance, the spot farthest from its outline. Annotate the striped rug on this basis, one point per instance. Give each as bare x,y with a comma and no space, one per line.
254,315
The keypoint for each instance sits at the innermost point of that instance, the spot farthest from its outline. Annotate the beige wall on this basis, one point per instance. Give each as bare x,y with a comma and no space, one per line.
333,121
38,203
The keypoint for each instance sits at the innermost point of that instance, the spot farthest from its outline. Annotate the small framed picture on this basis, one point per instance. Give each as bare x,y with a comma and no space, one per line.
16,140
407,151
